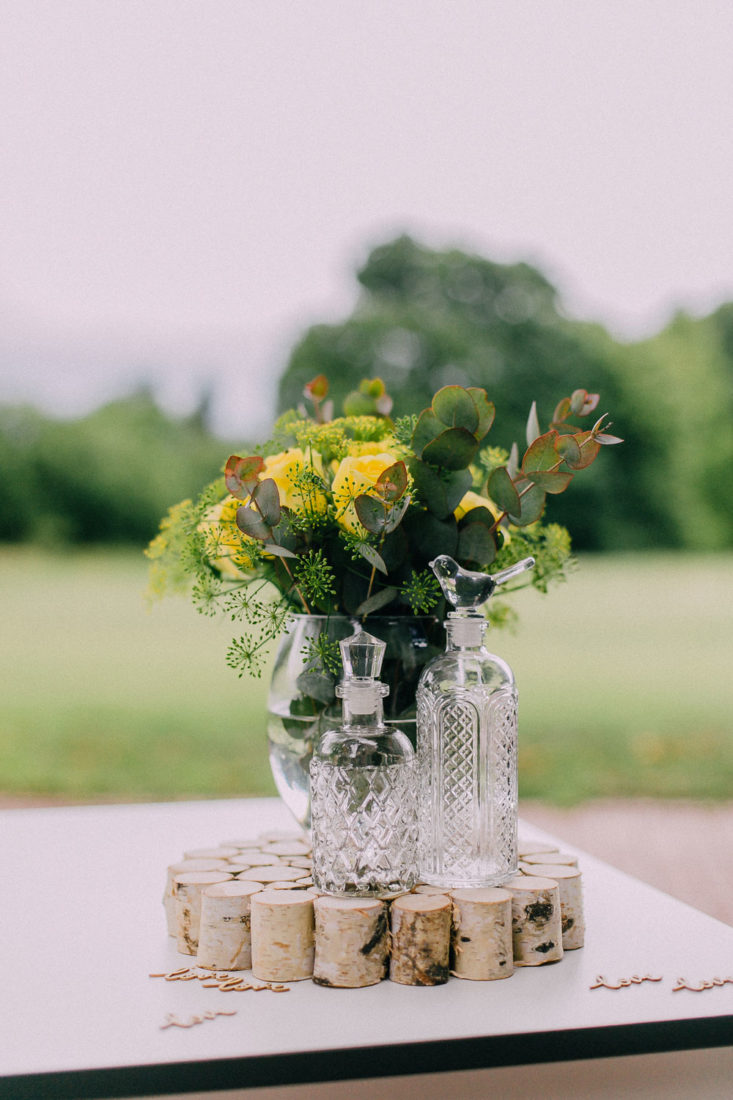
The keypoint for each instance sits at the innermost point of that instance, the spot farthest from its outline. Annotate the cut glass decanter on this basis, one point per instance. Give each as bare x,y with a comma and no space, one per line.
363,782
467,744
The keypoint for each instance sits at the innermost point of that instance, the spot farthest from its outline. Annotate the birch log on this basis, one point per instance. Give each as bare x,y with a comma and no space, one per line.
420,926
187,888
481,939
178,869
352,944
225,937
570,882
536,926
282,935
424,888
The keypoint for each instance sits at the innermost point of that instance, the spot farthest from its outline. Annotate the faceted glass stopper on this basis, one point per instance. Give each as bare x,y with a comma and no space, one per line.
362,656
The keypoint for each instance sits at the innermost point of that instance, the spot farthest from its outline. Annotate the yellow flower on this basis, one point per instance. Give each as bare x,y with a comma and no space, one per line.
355,475
294,474
226,545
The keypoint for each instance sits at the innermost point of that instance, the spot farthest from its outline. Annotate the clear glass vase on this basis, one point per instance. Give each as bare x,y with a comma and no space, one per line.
302,703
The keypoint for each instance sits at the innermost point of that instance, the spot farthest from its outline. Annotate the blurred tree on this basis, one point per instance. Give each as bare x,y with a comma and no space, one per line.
428,318
107,477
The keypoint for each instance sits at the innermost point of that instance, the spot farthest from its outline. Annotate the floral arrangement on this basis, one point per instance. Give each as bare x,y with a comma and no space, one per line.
343,515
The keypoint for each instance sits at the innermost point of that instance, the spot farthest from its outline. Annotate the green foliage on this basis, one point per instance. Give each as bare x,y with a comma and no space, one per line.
105,477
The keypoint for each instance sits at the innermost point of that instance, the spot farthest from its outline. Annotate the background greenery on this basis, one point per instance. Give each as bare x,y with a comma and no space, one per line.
624,672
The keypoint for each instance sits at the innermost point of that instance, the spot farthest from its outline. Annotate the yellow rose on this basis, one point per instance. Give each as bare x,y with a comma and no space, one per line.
226,545
286,470
355,475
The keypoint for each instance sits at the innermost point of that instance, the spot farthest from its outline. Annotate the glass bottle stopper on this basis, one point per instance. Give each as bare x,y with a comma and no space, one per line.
362,656
466,591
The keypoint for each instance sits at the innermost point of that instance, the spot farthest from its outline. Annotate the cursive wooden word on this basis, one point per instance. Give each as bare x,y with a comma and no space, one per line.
172,1020
227,983
623,983
710,983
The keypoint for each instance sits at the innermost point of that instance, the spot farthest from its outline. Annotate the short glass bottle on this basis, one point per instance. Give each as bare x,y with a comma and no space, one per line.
467,744
363,779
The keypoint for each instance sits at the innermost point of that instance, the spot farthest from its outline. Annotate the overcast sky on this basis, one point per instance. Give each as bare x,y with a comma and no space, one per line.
186,184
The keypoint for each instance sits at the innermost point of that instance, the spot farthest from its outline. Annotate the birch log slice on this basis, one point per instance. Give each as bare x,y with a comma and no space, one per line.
536,921
272,873
178,869
533,847
481,940
253,857
424,888
287,848
225,936
187,888
562,859
570,882
420,926
282,935
352,945
210,853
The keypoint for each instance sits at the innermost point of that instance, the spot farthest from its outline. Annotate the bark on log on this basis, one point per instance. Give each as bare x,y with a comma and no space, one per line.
352,944
178,869
282,935
420,927
225,937
536,921
187,888
570,882
481,939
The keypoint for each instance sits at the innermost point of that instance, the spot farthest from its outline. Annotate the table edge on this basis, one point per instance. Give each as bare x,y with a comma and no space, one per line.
383,1060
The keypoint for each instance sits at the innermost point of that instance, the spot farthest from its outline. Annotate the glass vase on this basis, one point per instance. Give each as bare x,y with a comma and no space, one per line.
302,702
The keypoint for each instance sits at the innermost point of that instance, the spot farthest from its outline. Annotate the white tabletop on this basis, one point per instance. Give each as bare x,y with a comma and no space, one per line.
83,926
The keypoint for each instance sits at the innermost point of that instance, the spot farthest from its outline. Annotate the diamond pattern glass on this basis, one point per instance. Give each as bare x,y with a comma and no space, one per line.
364,828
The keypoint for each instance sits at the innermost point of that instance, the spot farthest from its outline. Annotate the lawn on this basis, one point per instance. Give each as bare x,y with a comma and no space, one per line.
624,677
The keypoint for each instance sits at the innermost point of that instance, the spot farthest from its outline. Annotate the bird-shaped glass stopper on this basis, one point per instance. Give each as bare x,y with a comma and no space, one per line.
466,590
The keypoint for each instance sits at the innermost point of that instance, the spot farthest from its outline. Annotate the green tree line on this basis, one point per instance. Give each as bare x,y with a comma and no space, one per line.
425,318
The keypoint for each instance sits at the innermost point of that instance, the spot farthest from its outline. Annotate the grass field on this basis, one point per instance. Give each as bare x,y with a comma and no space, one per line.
624,676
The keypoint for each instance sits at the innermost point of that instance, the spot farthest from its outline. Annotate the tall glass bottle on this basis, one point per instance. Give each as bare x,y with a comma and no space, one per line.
467,744
363,781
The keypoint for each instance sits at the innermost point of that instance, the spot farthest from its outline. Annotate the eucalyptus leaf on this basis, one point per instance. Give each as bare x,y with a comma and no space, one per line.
453,449
475,544
486,410
267,499
429,487
278,551
426,430
251,523
503,491
372,556
317,685
531,501
456,484
372,513
456,408
378,600
395,514
551,481
241,474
